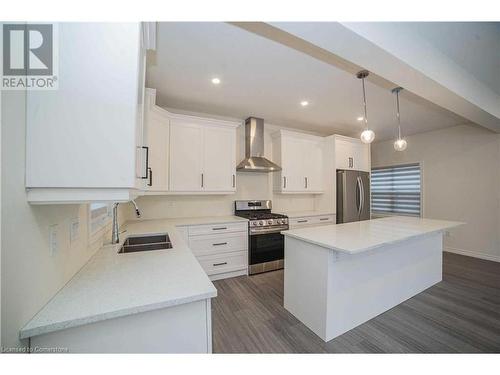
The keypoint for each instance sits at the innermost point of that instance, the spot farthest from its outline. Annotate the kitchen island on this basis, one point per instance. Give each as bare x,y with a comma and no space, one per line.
340,276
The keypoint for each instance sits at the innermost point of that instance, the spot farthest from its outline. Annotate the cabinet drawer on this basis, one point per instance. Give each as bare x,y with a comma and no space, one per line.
197,230
299,221
323,220
211,244
229,262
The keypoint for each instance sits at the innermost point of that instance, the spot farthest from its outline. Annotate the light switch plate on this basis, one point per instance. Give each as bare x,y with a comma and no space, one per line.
53,240
74,230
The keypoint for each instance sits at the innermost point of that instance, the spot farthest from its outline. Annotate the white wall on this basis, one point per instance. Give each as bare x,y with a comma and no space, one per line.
249,186
461,181
30,276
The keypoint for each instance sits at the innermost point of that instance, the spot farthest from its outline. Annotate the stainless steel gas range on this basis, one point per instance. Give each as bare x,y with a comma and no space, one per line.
266,245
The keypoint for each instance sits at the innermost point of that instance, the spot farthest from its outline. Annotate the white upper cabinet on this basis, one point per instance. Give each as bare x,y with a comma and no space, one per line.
85,140
186,156
157,129
351,153
202,156
301,159
219,159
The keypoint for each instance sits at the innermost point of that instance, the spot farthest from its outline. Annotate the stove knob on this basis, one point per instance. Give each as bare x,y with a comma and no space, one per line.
261,222
282,221
270,222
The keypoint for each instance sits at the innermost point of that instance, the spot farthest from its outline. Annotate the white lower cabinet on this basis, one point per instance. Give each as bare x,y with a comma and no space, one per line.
224,265
310,221
221,249
185,328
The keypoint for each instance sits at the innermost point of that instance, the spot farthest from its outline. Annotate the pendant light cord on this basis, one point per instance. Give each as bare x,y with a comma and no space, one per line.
399,118
364,102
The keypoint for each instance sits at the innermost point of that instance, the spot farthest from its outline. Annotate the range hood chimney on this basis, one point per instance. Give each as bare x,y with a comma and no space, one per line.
254,149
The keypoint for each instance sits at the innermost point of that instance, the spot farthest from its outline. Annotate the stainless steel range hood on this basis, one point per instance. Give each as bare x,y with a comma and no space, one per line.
254,149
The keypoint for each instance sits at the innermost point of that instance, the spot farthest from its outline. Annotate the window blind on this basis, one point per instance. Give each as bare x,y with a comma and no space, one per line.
396,190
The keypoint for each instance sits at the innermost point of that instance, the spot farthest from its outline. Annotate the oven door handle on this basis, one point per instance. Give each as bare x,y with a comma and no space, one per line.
268,231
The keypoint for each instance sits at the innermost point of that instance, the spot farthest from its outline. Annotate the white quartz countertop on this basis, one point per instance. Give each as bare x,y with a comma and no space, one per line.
112,285
366,235
295,214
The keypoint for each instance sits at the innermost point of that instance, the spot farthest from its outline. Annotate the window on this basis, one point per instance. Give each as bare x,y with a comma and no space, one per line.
99,216
396,190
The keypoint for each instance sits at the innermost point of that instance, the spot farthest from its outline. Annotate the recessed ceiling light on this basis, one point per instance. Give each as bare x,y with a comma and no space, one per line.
304,103
215,81
360,118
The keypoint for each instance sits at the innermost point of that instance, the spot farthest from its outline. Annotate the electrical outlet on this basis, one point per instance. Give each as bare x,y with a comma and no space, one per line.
53,241
74,230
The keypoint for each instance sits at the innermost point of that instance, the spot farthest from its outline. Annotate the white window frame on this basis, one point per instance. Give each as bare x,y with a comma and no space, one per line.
375,214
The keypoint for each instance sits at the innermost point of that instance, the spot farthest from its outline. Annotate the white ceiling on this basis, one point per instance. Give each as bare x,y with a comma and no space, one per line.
260,77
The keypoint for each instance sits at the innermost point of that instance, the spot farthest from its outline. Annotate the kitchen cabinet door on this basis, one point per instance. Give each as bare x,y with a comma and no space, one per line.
313,170
219,161
352,154
293,164
186,156
158,129
344,158
84,141
361,156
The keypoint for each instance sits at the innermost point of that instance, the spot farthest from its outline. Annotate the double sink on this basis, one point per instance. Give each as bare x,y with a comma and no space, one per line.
146,243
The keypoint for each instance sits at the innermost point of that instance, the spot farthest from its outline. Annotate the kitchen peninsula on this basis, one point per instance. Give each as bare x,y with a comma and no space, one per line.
339,276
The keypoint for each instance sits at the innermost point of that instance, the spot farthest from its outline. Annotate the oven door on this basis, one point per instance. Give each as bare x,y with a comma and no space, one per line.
266,247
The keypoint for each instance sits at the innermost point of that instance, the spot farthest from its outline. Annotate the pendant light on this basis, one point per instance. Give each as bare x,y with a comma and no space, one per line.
400,144
367,135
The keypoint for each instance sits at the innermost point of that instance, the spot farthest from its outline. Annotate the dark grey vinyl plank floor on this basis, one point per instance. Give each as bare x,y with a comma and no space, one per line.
461,314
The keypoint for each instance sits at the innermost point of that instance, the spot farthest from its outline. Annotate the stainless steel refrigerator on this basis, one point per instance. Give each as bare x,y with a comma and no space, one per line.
353,196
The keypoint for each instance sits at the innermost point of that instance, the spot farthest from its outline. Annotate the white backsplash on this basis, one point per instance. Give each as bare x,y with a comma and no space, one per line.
249,186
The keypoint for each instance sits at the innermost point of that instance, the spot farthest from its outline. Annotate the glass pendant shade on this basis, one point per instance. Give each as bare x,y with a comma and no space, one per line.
400,144
367,136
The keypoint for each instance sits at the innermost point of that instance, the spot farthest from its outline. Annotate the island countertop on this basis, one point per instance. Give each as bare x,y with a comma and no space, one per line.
360,236
113,285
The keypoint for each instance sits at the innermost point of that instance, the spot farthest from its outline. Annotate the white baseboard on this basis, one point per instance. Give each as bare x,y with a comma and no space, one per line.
474,254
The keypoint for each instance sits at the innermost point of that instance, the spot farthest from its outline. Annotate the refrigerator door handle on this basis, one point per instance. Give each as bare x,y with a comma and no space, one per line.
358,195
362,195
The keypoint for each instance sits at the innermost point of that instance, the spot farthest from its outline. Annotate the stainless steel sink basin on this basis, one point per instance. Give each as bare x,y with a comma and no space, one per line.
146,243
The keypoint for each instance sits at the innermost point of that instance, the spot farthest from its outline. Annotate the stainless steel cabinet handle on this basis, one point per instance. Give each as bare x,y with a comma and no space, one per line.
306,182
323,219
147,162
202,180
219,264
351,162
301,221
284,182
219,228
234,181
150,183
219,244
